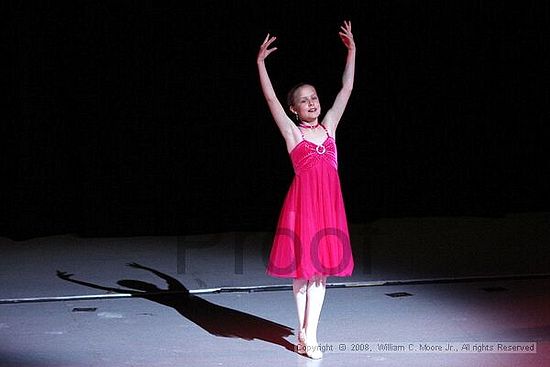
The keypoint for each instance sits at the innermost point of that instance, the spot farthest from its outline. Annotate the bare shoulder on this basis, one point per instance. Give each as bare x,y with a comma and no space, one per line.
329,125
293,137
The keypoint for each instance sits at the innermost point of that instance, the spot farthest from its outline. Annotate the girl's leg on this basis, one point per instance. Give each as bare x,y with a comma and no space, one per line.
315,296
299,288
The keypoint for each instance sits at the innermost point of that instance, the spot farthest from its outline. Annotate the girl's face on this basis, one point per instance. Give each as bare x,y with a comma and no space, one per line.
306,104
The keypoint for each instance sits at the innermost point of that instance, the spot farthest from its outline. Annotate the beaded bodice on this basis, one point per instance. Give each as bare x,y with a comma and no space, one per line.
307,154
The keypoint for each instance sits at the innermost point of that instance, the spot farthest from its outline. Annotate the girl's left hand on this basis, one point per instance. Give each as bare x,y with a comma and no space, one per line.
347,36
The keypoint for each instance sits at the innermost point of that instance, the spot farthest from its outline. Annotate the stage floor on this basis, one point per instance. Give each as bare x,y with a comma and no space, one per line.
379,324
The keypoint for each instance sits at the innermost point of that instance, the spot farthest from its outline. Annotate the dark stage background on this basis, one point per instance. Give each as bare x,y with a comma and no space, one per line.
146,118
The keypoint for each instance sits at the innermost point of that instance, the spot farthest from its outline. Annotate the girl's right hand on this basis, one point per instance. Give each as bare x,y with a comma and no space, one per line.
264,50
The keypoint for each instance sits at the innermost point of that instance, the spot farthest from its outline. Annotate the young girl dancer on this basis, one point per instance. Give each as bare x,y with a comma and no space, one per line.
312,240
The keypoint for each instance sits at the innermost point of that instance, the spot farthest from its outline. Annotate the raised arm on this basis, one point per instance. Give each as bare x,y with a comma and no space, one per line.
68,277
334,114
173,283
286,126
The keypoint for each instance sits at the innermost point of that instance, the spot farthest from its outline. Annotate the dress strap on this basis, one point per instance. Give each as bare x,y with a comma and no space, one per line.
301,132
323,126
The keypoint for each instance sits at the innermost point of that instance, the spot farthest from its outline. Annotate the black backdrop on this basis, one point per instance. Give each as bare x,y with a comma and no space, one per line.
146,118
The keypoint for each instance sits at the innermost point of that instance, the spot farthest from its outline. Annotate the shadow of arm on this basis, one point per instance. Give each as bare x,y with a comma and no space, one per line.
173,283
68,277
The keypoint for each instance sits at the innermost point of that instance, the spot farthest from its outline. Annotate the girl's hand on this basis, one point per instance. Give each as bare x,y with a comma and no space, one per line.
347,36
264,50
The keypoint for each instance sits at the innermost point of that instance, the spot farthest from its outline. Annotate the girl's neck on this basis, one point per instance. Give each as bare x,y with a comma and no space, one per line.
309,125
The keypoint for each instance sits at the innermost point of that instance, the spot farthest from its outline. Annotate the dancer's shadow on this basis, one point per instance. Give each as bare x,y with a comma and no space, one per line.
217,320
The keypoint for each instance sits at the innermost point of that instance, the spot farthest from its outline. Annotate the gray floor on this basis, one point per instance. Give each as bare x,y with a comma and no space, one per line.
451,303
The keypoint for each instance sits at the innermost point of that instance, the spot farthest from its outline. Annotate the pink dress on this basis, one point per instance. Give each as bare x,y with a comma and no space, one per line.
312,234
